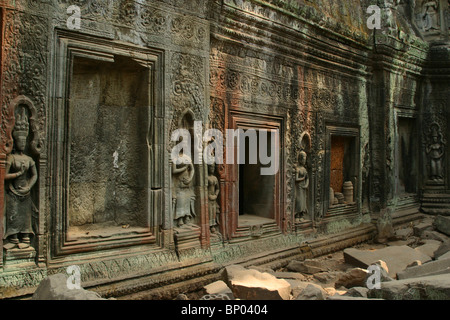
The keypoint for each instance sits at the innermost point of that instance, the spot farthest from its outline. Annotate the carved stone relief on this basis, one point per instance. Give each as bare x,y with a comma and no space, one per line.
24,71
213,195
427,15
301,189
435,150
21,176
184,197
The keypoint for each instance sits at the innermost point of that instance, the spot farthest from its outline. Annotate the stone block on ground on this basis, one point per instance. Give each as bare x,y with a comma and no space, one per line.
443,249
444,256
357,292
396,258
429,248
404,234
427,269
398,243
218,288
254,285
308,266
434,235
442,224
423,226
328,277
55,288
352,278
290,275
312,292
333,291
262,269
425,288
297,286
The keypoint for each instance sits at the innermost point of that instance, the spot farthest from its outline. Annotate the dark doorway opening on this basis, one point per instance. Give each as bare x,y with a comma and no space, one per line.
407,157
257,192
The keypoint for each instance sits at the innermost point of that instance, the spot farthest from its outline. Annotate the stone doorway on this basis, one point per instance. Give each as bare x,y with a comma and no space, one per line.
256,205
256,192
407,155
343,171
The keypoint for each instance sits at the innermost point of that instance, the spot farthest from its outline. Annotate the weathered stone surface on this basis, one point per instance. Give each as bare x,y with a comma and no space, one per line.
55,288
312,292
218,288
429,248
357,292
398,243
425,288
290,275
435,235
443,249
423,226
105,120
254,285
328,277
352,278
414,264
427,269
297,286
307,266
445,256
404,233
396,258
262,269
442,224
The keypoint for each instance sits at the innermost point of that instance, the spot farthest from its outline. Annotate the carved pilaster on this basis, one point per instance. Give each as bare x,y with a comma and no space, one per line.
2,197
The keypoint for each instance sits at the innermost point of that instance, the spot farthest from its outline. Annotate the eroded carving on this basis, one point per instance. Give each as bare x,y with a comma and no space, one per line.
435,152
301,188
184,197
213,195
430,16
21,176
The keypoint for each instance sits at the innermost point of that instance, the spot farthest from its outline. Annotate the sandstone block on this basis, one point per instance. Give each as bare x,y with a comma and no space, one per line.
396,258
55,288
312,292
427,269
424,288
442,224
352,278
254,285
430,247
307,266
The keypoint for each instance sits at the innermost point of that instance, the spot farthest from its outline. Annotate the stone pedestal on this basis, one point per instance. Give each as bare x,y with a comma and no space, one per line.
216,239
435,199
18,258
187,237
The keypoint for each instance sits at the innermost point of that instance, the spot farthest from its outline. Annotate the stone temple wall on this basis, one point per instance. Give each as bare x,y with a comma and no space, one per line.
94,183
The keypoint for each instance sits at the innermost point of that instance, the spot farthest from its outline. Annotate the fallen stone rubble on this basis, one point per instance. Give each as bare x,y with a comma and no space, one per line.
412,264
